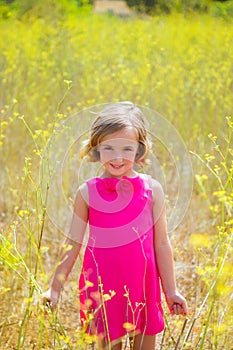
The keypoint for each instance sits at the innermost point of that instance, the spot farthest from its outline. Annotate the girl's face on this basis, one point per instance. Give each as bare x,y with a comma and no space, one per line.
118,152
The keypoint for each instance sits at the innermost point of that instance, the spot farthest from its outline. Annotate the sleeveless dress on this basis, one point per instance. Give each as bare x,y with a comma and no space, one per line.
119,285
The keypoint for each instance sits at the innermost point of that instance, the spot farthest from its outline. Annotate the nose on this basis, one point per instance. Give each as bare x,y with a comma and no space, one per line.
117,155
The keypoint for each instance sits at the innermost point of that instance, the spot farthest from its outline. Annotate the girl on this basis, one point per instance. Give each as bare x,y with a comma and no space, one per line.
128,252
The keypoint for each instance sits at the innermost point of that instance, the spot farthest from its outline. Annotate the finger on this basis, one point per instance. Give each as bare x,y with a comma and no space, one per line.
48,304
172,308
184,308
177,309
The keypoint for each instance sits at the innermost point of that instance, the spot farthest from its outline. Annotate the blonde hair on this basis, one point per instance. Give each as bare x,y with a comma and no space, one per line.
113,118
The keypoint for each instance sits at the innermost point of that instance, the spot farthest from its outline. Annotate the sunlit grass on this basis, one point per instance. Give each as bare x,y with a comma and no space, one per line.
181,67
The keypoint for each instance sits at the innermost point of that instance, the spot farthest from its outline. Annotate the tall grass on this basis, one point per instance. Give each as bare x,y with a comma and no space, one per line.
50,69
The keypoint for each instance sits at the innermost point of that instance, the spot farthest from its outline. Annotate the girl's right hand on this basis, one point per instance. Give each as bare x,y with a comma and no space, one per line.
50,298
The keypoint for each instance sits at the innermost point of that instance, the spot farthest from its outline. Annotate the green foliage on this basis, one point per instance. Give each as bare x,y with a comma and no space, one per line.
44,9
58,9
161,6
215,271
222,9
7,9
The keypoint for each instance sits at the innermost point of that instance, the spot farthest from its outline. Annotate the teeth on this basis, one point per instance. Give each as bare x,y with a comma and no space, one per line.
116,166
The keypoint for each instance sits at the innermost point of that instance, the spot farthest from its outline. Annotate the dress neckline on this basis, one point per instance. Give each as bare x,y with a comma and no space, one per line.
116,183
120,178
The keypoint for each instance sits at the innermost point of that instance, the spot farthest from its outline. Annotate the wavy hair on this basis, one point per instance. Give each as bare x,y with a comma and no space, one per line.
113,118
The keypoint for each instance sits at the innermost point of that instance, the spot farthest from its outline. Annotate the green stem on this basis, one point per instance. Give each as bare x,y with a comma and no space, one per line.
197,315
30,132
206,325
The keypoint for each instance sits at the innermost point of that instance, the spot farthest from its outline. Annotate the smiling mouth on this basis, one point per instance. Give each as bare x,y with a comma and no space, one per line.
115,166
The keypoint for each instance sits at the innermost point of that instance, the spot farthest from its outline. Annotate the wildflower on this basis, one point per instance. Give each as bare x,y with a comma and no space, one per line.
129,326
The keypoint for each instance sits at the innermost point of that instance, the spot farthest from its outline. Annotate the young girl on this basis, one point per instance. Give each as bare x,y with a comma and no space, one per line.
128,251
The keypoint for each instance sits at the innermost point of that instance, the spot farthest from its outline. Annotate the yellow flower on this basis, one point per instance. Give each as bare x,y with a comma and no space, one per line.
89,284
129,326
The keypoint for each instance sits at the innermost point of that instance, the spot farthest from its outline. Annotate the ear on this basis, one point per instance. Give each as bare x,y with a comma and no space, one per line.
140,152
96,153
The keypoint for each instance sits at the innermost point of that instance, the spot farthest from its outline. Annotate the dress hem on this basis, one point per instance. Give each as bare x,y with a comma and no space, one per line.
134,333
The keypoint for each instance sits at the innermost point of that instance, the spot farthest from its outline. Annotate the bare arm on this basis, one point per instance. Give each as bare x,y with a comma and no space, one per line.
71,247
164,255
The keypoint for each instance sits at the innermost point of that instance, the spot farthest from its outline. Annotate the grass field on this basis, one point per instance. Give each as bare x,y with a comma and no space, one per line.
54,66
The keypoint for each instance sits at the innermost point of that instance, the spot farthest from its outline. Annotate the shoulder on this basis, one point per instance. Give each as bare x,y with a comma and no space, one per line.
82,194
84,188
157,190
156,186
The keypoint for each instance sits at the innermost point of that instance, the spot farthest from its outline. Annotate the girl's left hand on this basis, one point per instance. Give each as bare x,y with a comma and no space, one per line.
176,303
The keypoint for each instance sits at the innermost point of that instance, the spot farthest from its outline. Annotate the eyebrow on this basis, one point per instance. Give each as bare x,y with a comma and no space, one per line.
107,144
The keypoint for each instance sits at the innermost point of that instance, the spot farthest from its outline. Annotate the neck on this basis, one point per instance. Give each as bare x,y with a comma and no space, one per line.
131,174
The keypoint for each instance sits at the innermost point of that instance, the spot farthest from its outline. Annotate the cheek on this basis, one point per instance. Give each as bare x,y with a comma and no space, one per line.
130,157
105,157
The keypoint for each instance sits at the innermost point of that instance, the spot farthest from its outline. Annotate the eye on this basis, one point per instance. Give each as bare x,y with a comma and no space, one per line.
107,148
128,149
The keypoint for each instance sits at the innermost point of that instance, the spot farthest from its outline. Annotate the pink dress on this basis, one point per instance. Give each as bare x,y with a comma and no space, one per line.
119,283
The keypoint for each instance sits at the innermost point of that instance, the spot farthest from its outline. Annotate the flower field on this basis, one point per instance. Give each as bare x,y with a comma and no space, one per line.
51,67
